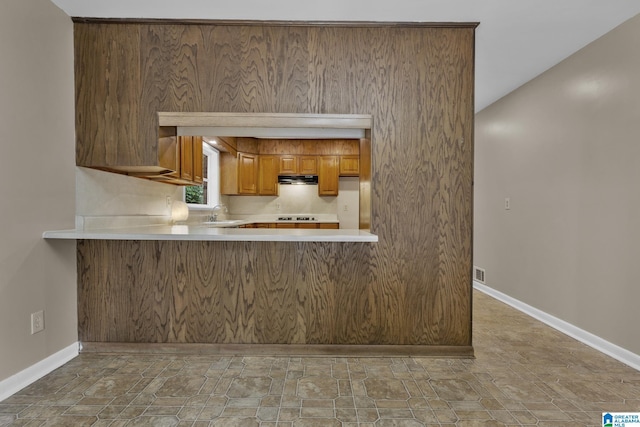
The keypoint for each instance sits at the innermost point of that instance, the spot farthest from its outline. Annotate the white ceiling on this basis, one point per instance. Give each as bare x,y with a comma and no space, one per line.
516,40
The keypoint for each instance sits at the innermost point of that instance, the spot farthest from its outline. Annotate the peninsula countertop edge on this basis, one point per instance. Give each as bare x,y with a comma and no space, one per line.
204,233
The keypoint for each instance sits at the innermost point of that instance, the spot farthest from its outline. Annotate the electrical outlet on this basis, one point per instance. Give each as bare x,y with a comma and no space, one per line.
168,201
507,203
345,208
277,206
37,322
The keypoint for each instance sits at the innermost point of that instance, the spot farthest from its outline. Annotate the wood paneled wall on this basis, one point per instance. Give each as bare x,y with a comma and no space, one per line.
412,287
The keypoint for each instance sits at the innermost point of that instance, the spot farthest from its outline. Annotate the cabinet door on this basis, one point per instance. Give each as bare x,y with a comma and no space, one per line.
306,225
268,175
328,176
228,174
197,160
307,165
169,155
247,173
329,225
288,165
349,165
286,225
186,157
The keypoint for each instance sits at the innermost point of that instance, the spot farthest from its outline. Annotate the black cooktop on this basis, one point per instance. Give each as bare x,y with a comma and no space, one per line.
296,218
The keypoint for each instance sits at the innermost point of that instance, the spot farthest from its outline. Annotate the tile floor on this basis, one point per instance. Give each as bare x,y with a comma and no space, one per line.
524,374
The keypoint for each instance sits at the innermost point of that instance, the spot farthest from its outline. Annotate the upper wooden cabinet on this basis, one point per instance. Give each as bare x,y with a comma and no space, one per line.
198,159
183,156
328,175
268,175
247,173
288,165
298,165
349,165
307,165
239,174
186,157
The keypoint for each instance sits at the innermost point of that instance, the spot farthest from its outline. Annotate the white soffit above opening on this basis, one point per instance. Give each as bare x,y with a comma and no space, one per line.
516,40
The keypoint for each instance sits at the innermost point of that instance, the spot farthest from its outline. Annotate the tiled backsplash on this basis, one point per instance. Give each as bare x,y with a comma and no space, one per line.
107,200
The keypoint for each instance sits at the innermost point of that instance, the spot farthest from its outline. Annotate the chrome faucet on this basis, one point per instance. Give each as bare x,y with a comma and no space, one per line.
215,211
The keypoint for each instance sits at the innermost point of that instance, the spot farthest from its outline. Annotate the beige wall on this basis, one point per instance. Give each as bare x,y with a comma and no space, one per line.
37,183
565,148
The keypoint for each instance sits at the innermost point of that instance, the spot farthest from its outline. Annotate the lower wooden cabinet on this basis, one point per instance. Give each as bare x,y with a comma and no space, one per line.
329,225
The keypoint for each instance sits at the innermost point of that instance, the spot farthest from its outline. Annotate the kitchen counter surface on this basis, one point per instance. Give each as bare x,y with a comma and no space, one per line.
205,233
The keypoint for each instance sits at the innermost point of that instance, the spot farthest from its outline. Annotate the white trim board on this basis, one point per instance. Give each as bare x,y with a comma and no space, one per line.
22,379
593,341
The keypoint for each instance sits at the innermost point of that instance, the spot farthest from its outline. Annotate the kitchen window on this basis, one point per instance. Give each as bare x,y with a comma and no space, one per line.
207,195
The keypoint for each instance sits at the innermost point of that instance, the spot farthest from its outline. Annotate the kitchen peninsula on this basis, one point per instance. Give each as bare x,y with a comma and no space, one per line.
407,293
207,233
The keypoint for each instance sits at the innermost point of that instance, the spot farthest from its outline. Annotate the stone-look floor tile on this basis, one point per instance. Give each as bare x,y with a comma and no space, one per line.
189,413
367,415
318,403
266,413
65,421
425,416
288,414
239,412
317,412
217,401
181,386
317,422
385,389
210,413
161,410
344,402
235,422
398,423
524,417
249,387
132,412
504,417
170,401
383,403
346,415
111,412
271,400
111,386
472,415
317,387
445,415
244,402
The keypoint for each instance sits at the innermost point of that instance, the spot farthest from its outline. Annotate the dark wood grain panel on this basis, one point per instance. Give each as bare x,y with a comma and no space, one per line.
107,76
412,288
276,296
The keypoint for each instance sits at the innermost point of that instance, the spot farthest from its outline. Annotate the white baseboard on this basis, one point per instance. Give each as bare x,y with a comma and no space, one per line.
17,382
604,346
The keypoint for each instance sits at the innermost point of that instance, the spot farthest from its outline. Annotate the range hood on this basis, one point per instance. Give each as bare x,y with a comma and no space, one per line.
298,179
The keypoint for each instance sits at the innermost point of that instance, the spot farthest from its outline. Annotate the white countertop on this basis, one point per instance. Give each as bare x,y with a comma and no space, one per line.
204,233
